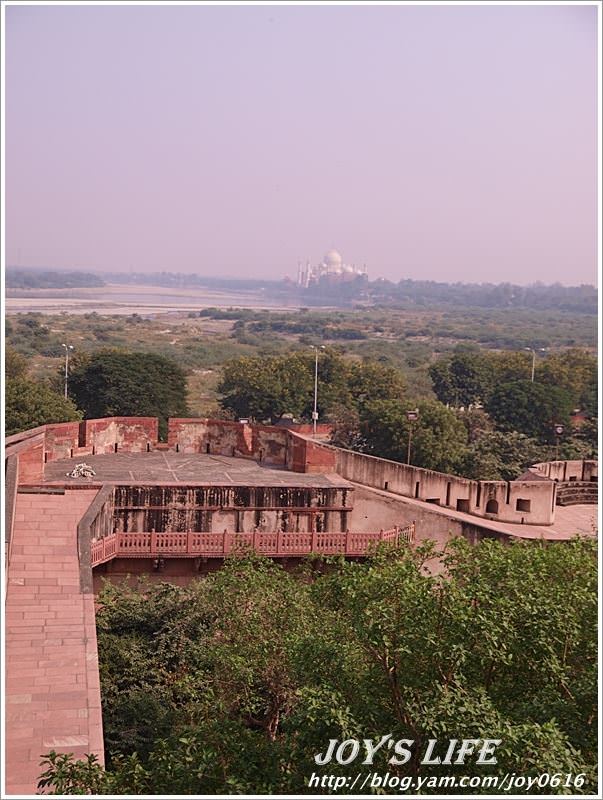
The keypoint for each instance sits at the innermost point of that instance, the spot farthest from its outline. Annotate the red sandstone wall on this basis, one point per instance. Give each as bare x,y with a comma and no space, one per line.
61,440
220,437
304,455
31,458
131,434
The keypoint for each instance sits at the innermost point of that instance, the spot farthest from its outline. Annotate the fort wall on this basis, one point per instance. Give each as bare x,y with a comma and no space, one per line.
529,502
586,470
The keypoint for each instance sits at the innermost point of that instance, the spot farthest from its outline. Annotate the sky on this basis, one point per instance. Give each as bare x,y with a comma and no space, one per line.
451,143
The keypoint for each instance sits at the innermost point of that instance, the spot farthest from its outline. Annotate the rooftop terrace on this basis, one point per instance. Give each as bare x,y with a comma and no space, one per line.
193,468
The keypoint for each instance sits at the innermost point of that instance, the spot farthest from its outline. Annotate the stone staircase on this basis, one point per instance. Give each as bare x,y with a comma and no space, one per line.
577,492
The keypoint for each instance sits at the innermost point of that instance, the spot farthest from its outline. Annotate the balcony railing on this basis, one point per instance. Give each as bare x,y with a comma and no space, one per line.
172,544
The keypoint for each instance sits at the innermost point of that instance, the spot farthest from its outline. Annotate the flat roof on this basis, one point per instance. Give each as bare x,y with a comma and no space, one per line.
191,468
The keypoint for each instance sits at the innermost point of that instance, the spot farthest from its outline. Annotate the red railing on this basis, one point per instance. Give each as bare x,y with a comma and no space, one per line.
218,545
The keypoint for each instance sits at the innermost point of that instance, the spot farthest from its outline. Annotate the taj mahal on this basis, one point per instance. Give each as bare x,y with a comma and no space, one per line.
331,268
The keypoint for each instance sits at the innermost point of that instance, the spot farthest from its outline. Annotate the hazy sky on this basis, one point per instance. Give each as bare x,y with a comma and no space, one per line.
448,143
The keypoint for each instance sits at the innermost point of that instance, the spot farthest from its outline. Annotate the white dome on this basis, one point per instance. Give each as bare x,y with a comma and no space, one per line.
333,259
348,268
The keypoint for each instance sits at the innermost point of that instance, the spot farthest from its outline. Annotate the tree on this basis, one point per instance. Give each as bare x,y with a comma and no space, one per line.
498,456
477,422
15,365
29,404
439,438
530,408
370,380
117,383
573,370
461,380
251,670
509,366
267,388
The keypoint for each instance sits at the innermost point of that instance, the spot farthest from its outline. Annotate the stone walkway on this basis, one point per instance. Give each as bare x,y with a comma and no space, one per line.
52,681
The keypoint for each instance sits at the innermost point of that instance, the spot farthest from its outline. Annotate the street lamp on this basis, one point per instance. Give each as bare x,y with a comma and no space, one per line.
412,417
558,432
67,347
315,412
533,352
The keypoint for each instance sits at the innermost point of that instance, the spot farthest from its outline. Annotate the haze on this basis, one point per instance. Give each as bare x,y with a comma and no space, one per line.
445,143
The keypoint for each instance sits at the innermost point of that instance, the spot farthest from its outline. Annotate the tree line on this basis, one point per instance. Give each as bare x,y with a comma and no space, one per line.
488,419
233,684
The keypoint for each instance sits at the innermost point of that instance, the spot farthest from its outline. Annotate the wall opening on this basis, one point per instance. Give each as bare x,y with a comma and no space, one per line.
149,447
593,478
492,507
462,505
433,500
177,448
448,493
417,487
523,505
479,495
386,485
508,498
573,478
207,447
115,447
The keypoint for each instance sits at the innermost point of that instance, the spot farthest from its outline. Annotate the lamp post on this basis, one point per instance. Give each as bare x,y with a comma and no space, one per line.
533,352
67,347
412,417
558,432
315,412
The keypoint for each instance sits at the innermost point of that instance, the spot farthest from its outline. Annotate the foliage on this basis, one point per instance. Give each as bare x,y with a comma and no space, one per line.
497,456
30,403
461,380
254,669
15,365
267,388
439,438
49,279
115,383
65,775
574,371
530,408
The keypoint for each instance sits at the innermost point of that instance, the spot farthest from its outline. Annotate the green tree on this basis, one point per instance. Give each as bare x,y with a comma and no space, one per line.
369,380
30,403
573,370
439,438
461,380
530,408
498,456
266,388
118,383
255,669
15,365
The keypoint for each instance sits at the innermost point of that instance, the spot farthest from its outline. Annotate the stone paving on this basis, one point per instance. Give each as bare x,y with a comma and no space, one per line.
52,681
169,467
